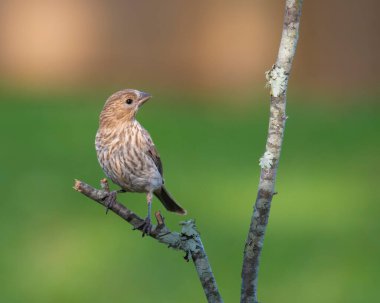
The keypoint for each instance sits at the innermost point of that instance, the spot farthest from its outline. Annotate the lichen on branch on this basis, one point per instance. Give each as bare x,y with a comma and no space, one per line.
188,240
277,79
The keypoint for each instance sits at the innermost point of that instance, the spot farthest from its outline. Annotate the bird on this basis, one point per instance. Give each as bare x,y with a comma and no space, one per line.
127,154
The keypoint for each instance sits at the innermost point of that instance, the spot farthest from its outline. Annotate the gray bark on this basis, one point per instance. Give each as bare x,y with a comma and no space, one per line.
278,81
188,240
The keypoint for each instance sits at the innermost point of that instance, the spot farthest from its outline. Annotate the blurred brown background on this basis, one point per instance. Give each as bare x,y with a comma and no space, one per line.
185,44
322,242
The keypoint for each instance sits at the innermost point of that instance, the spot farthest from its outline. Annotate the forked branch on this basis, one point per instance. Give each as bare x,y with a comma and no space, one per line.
278,81
188,240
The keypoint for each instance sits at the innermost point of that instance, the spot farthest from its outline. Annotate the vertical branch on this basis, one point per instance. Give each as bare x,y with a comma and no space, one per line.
278,81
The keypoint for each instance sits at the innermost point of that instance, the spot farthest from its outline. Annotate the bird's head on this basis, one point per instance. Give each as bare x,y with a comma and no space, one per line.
122,106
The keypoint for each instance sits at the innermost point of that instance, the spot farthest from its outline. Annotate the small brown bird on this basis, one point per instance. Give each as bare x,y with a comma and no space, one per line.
127,153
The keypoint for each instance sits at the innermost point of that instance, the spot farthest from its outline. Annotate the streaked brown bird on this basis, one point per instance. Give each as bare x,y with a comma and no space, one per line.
127,153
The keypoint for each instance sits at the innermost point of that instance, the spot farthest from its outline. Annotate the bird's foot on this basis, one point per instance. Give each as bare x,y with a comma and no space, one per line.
145,227
110,200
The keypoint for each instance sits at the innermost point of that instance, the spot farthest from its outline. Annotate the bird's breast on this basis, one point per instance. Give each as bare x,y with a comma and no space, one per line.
121,154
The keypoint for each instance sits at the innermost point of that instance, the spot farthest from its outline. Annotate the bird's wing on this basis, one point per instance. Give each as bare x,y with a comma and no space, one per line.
152,152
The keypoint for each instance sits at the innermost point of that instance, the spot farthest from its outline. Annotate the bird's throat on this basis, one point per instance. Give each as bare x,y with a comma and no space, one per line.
116,120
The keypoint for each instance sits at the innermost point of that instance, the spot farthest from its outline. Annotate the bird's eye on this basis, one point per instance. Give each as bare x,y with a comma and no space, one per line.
129,101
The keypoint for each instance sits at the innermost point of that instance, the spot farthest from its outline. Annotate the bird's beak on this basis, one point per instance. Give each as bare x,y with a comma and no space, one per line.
143,98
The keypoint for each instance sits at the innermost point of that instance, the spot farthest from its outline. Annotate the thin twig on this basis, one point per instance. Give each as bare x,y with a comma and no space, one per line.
278,81
188,240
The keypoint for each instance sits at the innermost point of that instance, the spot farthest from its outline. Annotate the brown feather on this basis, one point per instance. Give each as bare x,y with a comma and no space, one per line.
152,152
126,151
169,203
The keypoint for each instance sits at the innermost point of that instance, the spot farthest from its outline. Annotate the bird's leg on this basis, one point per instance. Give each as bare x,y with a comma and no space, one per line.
146,226
110,199
149,197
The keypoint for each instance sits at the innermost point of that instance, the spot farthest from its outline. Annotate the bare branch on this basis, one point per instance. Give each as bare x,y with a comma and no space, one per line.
278,81
188,240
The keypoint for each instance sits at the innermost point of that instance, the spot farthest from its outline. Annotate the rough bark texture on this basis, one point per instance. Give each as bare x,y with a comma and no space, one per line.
188,240
277,80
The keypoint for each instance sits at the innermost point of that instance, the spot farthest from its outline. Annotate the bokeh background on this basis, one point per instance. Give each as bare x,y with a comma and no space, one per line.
204,62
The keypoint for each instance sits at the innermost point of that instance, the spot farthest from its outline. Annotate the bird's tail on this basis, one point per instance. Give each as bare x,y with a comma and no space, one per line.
168,201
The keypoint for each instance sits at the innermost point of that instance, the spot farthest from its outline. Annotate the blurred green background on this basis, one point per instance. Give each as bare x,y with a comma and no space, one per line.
322,240
209,119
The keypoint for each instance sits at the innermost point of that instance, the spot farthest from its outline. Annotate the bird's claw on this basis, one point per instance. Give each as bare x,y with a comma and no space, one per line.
145,227
110,200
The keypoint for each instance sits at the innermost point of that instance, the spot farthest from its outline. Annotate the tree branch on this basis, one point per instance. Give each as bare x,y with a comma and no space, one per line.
188,240
278,81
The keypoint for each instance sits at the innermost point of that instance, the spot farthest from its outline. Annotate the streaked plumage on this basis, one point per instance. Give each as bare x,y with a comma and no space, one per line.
127,153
